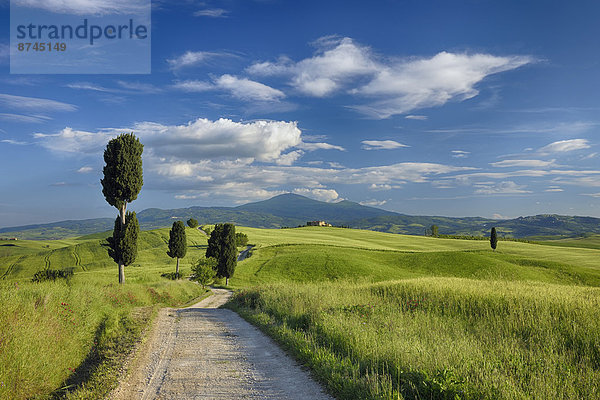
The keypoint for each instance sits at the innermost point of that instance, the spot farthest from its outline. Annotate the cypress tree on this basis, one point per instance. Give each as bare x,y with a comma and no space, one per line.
123,243
228,259
214,242
493,239
177,243
122,182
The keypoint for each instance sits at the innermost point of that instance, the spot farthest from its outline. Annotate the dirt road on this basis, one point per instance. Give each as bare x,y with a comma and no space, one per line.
203,352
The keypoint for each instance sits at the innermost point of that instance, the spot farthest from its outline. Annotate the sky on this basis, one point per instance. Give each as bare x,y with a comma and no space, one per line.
453,108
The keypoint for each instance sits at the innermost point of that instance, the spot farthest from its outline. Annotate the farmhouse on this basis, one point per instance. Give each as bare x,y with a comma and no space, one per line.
317,223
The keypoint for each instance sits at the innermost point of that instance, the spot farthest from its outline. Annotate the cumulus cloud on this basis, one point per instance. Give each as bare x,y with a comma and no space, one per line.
336,61
506,187
563,146
428,82
523,163
327,195
392,86
81,7
85,170
34,103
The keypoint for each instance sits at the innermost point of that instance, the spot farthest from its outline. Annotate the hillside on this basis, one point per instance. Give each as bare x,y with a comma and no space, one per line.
290,210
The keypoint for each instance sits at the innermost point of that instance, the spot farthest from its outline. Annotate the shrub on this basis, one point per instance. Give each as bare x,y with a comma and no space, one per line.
204,271
172,275
241,239
52,274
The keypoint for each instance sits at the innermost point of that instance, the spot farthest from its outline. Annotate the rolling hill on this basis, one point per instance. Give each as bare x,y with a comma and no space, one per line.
290,210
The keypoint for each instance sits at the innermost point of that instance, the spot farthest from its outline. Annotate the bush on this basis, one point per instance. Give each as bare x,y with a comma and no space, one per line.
204,271
52,275
192,223
206,229
172,275
241,239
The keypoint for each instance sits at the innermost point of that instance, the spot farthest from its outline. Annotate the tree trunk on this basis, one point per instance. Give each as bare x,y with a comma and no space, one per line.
177,269
226,281
121,265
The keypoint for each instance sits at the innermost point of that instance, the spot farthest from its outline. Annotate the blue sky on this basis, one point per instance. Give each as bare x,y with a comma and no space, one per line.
472,108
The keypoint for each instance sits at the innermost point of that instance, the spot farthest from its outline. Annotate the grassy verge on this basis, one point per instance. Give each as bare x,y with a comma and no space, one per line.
437,338
69,339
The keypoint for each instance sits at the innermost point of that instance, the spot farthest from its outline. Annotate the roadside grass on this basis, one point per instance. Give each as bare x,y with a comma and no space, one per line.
437,338
68,339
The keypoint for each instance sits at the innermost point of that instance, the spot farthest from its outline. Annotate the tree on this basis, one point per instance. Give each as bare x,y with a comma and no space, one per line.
241,239
222,246
493,239
192,223
122,245
122,182
214,242
204,271
228,259
177,243
434,230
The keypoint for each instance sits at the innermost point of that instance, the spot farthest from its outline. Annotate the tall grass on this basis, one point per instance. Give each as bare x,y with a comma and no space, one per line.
54,335
438,338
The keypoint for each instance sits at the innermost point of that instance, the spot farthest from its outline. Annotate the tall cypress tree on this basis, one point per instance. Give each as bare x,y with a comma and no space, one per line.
493,239
122,182
214,242
228,259
177,243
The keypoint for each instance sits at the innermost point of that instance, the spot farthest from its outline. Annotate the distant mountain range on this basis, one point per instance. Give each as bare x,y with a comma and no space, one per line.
290,210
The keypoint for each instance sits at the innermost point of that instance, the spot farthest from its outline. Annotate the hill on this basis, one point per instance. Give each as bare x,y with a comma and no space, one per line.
290,210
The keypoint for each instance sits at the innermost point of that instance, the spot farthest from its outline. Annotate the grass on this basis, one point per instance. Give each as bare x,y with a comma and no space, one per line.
383,316
590,242
375,315
92,320
437,338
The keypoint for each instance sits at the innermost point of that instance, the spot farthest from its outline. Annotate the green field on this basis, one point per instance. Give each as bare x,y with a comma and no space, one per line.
375,315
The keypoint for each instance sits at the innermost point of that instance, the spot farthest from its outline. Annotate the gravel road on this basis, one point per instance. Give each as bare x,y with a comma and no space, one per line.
204,352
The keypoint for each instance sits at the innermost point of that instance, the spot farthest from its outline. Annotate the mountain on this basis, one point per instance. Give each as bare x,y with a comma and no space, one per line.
290,210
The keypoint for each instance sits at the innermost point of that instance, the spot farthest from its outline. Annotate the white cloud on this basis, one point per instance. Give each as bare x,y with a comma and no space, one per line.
460,153
428,82
563,146
192,58
381,145
523,163
289,158
89,86
246,89
393,87
193,86
372,203
212,12
14,142
500,216
591,194
311,146
336,61
80,7
554,189
34,103
85,170
417,117
36,119
506,187
139,87
240,88
327,195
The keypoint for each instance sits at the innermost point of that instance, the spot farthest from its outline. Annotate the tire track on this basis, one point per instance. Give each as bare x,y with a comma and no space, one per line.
78,259
11,267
